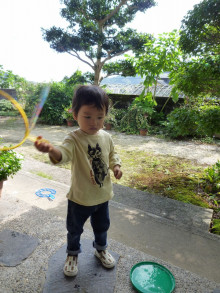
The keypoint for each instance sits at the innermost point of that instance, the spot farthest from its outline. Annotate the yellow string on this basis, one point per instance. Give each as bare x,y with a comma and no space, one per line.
24,116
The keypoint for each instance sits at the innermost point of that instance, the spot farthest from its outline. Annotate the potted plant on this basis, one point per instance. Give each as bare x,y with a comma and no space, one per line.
142,123
144,104
10,164
68,116
109,120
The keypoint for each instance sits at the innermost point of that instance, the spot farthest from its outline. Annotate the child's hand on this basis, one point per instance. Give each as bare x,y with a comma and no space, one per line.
117,172
42,145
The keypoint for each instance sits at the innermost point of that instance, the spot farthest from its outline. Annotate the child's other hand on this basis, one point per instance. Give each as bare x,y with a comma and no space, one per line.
117,172
42,146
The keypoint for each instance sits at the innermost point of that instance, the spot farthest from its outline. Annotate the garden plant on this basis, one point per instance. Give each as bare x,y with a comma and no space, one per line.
10,163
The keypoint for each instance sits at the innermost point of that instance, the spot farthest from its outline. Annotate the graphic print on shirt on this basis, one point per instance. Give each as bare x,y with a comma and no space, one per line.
99,167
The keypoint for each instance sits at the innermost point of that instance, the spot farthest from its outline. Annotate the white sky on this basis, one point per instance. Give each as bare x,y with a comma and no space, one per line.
23,50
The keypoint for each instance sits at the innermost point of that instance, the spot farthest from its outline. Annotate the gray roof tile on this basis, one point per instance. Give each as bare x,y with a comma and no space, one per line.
136,90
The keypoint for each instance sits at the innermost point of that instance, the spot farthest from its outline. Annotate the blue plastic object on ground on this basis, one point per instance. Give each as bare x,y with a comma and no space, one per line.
46,192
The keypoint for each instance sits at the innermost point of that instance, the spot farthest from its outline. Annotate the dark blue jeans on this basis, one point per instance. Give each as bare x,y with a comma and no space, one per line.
76,218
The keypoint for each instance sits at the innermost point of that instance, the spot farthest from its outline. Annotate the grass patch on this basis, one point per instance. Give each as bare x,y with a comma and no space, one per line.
42,174
216,226
168,176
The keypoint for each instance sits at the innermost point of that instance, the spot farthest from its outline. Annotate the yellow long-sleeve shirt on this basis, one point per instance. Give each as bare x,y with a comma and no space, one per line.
91,157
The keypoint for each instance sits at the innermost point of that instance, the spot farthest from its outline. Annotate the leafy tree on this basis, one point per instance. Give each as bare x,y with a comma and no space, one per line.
23,87
159,55
6,78
121,67
199,76
96,31
200,30
76,78
10,80
200,41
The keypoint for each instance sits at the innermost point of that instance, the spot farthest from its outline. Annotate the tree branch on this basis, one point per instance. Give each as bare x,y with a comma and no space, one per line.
110,57
75,54
89,57
114,11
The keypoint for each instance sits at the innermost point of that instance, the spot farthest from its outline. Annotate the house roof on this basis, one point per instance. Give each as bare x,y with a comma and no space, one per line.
135,90
118,79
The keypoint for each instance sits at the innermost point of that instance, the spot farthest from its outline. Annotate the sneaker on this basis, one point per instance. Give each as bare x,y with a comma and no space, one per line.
70,268
106,258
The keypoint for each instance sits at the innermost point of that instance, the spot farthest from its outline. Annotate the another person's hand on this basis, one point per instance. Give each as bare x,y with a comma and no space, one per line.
117,172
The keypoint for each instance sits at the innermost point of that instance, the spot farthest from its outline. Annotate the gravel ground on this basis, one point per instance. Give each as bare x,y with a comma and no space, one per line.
202,153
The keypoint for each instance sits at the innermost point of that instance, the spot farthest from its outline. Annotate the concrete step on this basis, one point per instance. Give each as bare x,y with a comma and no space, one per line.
188,216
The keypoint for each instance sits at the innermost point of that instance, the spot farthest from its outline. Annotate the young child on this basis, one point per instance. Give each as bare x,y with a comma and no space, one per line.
91,153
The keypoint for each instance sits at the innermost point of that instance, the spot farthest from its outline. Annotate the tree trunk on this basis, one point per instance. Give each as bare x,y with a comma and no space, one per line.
97,72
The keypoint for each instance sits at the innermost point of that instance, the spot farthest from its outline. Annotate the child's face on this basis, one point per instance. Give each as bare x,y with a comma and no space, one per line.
90,119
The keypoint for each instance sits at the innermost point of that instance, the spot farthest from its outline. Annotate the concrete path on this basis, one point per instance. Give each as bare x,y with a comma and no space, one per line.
145,227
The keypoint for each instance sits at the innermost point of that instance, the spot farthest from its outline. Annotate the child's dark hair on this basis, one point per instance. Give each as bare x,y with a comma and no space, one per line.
90,95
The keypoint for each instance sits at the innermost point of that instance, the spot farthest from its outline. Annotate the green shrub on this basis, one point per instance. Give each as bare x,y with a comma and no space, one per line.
212,178
32,99
119,114
7,108
209,120
158,118
58,99
194,121
181,122
10,163
133,120
60,96
128,122
68,113
6,105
